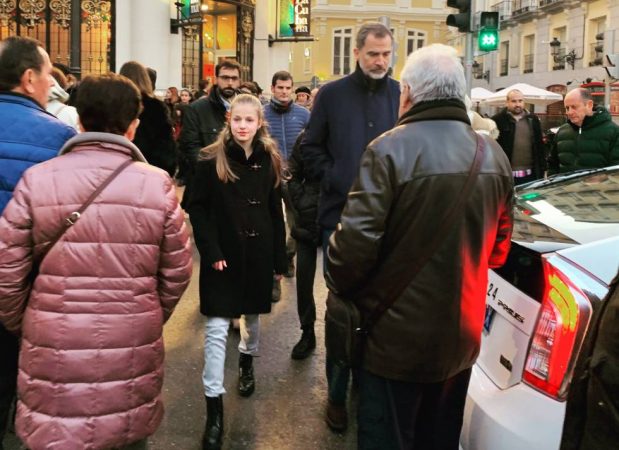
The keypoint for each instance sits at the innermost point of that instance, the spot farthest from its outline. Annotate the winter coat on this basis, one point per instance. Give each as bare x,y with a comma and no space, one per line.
242,223
347,114
91,359
28,135
594,144
285,126
507,133
56,105
592,410
302,195
155,135
409,179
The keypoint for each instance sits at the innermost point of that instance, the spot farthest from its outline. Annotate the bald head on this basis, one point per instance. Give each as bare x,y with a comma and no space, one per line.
514,102
578,105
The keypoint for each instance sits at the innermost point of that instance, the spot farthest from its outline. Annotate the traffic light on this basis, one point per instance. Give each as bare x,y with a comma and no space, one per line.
462,21
488,38
612,66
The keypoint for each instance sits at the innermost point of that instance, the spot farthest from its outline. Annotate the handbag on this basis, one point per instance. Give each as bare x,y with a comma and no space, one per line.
70,220
346,329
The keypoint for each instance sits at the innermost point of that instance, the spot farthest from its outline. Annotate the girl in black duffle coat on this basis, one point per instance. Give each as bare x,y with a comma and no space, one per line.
236,214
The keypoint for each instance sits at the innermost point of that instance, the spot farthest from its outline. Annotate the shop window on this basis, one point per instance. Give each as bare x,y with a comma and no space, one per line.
54,23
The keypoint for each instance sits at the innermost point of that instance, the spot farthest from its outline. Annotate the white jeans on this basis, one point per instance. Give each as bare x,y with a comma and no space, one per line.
215,337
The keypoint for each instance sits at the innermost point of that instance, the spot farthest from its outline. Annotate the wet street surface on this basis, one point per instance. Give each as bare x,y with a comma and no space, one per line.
285,412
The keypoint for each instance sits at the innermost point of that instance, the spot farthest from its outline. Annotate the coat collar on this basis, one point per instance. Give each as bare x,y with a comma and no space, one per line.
366,82
16,97
236,153
105,140
451,109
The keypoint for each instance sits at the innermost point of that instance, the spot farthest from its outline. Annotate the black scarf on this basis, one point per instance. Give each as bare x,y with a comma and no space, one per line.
280,107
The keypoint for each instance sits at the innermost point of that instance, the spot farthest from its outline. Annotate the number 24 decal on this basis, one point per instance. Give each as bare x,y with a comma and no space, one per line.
492,291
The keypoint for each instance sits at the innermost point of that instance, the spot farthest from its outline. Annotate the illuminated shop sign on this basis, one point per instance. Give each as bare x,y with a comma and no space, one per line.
294,18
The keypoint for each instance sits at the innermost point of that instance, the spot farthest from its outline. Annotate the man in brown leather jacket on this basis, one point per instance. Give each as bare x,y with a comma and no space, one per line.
418,355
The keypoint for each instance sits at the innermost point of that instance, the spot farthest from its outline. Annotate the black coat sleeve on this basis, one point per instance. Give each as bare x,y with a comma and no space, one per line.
279,230
190,141
314,150
202,214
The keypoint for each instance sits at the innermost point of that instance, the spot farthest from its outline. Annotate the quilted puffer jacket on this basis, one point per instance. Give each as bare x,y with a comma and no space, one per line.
28,135
285,126
91,358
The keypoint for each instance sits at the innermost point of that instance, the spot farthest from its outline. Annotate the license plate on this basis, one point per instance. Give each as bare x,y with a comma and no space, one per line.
488,319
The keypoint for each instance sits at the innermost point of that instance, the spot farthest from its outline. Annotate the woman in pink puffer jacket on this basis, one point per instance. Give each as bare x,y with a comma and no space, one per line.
91,358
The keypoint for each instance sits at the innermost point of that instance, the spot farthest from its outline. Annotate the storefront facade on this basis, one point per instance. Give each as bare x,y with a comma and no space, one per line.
213,31
76,33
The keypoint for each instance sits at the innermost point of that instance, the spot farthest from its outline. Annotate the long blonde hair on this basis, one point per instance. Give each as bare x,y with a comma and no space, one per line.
217,150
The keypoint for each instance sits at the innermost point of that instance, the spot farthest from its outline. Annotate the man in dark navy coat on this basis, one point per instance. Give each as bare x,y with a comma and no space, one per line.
347,115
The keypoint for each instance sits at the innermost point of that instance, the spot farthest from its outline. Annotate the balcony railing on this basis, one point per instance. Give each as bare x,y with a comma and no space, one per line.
528,63
503,67
523,6
504,9
549,3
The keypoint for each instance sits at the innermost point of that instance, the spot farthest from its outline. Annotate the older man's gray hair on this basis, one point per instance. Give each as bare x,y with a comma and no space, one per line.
376,29
434,73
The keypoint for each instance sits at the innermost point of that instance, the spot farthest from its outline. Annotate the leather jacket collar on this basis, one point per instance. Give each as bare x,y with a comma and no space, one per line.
451,109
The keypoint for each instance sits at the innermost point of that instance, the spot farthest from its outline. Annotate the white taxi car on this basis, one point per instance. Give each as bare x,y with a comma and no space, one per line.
565,253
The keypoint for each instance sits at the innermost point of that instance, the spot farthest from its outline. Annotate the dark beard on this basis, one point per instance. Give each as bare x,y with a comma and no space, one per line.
227,93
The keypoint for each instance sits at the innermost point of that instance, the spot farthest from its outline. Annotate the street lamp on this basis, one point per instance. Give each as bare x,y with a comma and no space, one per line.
555,50
479,73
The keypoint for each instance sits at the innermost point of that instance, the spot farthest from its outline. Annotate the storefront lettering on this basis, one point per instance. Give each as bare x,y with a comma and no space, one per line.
301,16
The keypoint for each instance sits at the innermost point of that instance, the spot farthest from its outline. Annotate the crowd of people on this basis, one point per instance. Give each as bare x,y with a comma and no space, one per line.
95,252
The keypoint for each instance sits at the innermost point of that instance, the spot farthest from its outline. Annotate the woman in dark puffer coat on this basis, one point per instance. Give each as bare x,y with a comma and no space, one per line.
91,358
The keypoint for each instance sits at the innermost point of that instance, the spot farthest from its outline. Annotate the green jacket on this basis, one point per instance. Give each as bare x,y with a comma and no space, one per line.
594,144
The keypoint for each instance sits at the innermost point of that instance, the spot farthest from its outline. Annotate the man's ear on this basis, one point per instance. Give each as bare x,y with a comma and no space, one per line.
26,82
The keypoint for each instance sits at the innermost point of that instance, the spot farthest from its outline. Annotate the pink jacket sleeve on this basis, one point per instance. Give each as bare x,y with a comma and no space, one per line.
175,261
16,249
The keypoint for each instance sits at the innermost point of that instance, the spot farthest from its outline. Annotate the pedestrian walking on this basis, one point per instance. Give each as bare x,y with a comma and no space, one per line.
32,136
235,209
91,358
347,115
302,195
155,134
520,137
589,139
285,120
429,212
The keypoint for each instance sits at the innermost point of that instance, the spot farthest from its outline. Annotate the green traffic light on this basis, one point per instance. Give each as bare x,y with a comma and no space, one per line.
488,40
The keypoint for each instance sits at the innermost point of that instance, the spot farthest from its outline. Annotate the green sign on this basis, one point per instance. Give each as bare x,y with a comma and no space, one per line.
488,39
294,18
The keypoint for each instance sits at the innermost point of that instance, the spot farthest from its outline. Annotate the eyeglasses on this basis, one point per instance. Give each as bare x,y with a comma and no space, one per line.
228,78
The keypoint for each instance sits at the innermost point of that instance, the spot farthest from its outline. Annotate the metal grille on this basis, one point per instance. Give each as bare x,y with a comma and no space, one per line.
191,56
77,33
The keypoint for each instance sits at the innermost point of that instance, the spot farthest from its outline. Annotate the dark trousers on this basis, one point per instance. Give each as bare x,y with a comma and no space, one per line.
413,416
9,351
337,374
306,270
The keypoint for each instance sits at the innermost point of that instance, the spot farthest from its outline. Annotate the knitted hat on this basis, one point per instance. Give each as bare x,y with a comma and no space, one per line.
303,89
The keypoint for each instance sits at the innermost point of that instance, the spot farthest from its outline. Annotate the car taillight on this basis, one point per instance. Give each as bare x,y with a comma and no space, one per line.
563,319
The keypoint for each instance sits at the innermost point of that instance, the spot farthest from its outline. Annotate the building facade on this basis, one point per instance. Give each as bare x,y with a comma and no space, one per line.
552,44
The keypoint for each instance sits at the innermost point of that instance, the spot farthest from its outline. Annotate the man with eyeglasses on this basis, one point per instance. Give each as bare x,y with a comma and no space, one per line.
205,118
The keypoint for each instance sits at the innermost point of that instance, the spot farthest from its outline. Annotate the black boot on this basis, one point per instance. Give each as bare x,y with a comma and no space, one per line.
214,428
306,344
247,383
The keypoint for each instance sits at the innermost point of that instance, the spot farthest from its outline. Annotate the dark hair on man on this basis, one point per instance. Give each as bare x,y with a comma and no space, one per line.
62,67
376,29
585,94
282,75
228,64
249,86
137,73
108,103
18,54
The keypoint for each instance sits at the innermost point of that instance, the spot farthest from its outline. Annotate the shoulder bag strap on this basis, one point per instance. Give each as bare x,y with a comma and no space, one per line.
75,215
393,291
